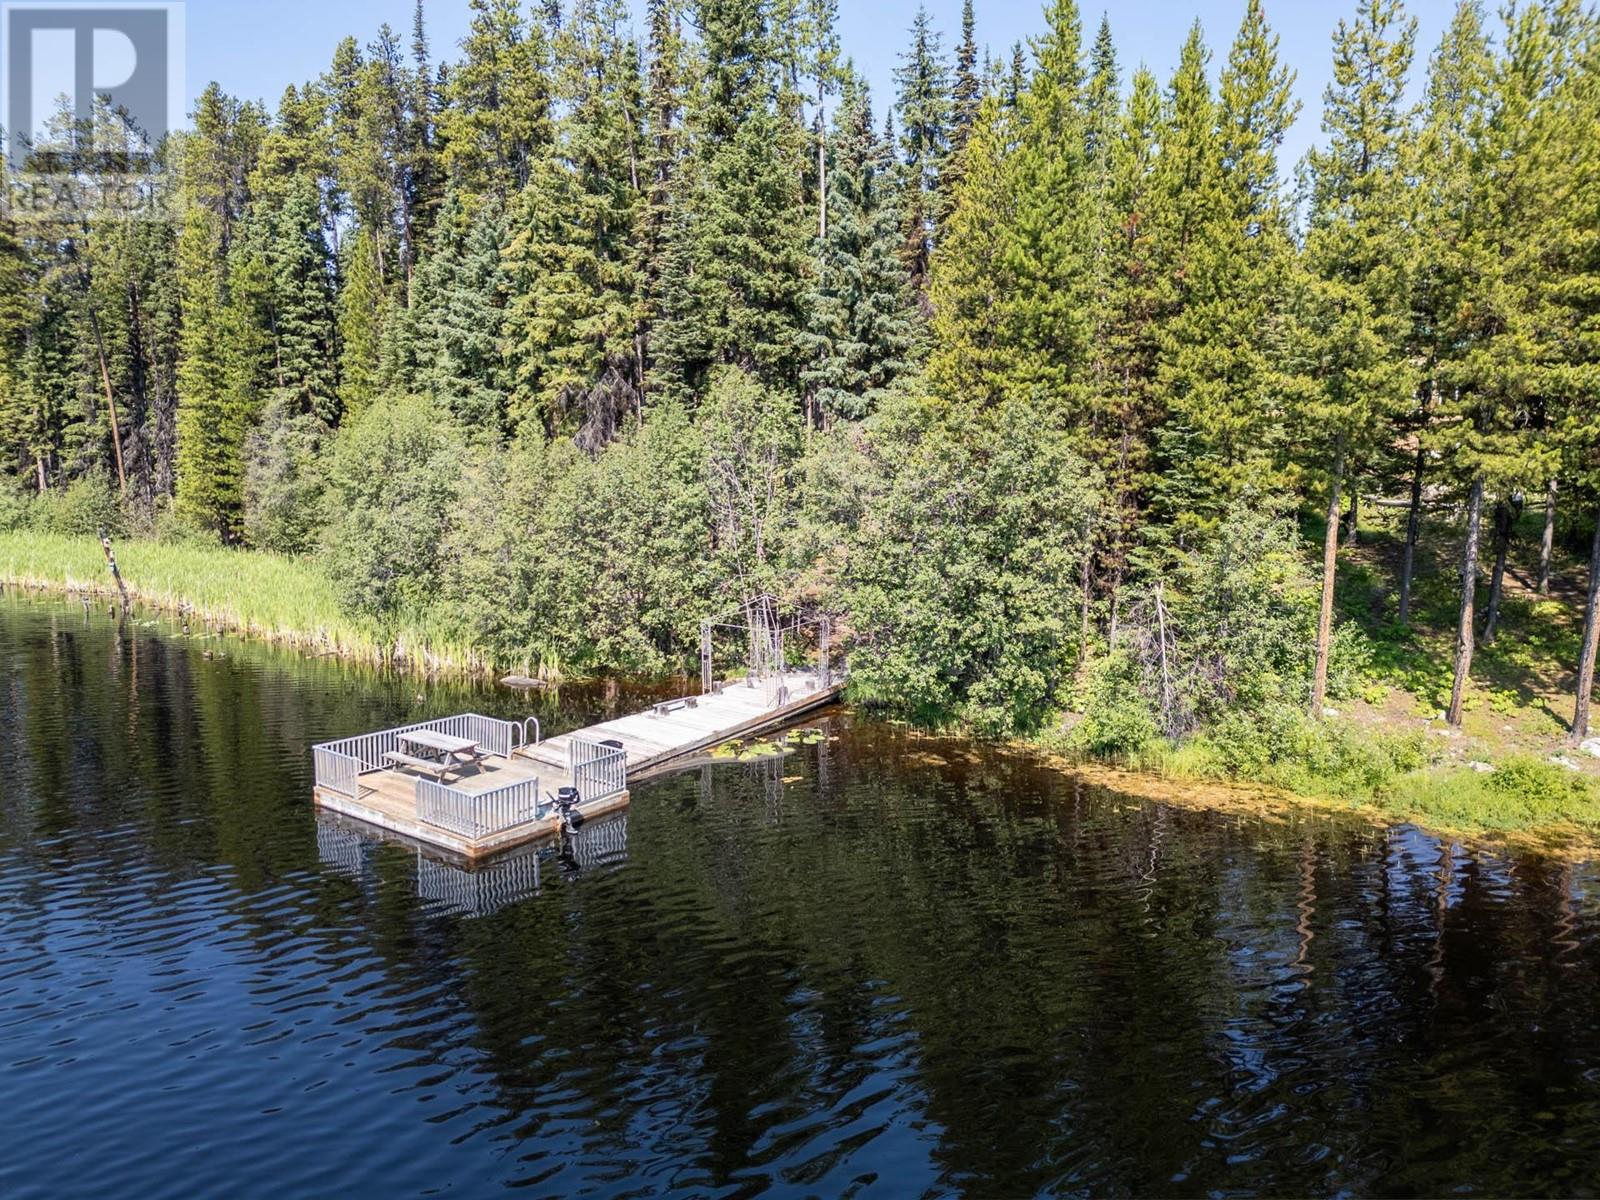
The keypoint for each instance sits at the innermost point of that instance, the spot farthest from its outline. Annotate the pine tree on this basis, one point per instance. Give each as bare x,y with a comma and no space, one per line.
1358,380
1047,317
923,106
1457,84
1229,255
574,270
861,333
970,357
496,116
1567,300
1489,244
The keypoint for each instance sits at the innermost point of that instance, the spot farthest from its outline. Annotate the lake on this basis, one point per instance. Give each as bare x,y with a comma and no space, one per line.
880,965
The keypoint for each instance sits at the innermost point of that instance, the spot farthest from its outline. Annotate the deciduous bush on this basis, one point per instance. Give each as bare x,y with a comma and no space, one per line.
392,486
1226,633
85,506
963,575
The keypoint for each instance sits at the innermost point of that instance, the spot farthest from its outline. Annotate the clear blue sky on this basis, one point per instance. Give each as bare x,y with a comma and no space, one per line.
256,47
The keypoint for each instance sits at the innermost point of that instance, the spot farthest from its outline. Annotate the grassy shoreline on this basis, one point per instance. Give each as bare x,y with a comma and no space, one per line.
279,599
1445,801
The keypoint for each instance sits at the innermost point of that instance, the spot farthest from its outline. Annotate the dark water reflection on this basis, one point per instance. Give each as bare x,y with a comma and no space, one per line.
881,966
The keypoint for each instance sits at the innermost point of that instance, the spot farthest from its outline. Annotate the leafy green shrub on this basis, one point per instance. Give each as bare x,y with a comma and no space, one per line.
284,481
86,506
1247,743
15,510
1228,631
963,571
1117,721
392,484
170,529
1349,662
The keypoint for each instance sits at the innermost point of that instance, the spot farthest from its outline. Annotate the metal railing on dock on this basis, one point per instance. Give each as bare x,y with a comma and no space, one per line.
477,814
598,770
340,764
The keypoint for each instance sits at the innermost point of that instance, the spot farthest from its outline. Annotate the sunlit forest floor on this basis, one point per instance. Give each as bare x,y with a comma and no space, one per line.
1520,699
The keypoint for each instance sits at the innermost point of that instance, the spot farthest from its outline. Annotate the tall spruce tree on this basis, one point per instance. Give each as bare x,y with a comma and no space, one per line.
736,264
1132,294
1229,254
966,91
861,331
214,412
1356,317
922,104
575,272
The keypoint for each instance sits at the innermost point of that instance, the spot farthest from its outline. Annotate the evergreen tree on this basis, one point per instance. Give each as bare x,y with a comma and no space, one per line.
452,345
923,106
575,273
966,91
1133,293
861,334
1571,327
1356,321
496,116
735,269
970,355
1229,255
214,412
1491,245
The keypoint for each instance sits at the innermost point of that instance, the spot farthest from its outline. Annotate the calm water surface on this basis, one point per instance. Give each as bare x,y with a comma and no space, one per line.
882,966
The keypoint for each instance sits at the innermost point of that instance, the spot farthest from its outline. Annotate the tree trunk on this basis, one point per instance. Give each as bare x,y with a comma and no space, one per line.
1502,541
1083,616
1352,518
1330,561
111,401
1469,589
1413,523
1547,543
1591,637
822,166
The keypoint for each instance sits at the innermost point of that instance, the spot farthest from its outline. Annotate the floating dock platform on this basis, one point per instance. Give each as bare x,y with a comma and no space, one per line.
502,796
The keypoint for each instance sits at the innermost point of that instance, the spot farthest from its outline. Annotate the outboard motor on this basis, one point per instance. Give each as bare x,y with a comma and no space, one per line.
567,800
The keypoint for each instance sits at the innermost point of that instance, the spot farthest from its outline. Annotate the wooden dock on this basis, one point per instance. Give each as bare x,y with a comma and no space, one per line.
501,801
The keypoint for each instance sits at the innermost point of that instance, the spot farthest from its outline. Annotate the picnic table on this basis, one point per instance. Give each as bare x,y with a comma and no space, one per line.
447,751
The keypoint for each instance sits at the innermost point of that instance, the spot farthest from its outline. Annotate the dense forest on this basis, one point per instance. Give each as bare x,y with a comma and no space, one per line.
1038,373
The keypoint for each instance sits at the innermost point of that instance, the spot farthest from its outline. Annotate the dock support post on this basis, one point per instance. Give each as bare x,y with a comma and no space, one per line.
705,658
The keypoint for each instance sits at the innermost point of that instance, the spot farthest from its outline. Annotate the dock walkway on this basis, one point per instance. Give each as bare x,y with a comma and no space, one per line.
505,799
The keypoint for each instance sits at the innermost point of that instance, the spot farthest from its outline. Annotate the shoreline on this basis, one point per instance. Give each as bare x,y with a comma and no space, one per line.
408,650
1564,839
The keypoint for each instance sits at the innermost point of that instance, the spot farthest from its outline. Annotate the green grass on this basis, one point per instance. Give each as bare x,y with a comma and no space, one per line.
265,595
1521,794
